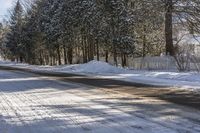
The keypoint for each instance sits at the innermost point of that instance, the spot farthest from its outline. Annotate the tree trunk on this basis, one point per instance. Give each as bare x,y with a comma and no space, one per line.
65,54
70,55
168,28
115,55
83,48
91,49
54,60
86,50
21,59
59,56
97,46
106,57
144,41
123,59
41,61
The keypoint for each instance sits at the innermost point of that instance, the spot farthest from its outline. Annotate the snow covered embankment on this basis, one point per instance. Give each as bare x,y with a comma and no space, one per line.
104,70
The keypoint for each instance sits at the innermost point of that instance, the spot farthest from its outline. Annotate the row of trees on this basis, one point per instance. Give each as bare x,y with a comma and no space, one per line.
58,32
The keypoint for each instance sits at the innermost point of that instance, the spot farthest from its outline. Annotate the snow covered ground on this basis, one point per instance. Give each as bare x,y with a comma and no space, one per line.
34,104
185,80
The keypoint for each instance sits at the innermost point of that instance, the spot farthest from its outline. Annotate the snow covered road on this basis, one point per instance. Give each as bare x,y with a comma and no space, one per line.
34,104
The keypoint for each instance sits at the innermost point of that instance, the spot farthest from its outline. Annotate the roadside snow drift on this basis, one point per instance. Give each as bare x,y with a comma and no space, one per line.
93,67
104,70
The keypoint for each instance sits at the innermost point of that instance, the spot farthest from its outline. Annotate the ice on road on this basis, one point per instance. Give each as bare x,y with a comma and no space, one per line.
35,104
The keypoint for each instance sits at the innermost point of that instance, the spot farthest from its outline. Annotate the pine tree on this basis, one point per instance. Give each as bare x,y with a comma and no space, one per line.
1,32
120,19
14,39
1,37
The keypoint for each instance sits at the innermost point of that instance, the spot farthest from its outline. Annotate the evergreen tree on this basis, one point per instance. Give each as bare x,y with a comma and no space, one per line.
1,32
14,39
1,38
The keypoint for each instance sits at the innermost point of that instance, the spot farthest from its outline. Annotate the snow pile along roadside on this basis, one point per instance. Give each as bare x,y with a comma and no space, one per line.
93,67
5,62
105,70
174,79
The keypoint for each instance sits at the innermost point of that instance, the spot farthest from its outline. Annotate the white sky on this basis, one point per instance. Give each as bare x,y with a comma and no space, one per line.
4,6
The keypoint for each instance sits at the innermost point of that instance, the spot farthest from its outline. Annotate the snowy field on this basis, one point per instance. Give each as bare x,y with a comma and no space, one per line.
185,80
32,104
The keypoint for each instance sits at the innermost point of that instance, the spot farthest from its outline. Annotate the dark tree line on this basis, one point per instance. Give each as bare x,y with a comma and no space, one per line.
76,31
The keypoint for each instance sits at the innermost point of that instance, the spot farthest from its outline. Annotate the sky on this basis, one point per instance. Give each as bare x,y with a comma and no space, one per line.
4,6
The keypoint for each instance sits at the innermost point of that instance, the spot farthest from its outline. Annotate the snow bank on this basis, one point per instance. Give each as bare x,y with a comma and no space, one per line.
5,62
173,79
94,67
105,70
189,76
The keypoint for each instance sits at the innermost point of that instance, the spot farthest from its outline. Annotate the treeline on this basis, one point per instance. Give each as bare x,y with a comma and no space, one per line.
55,32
